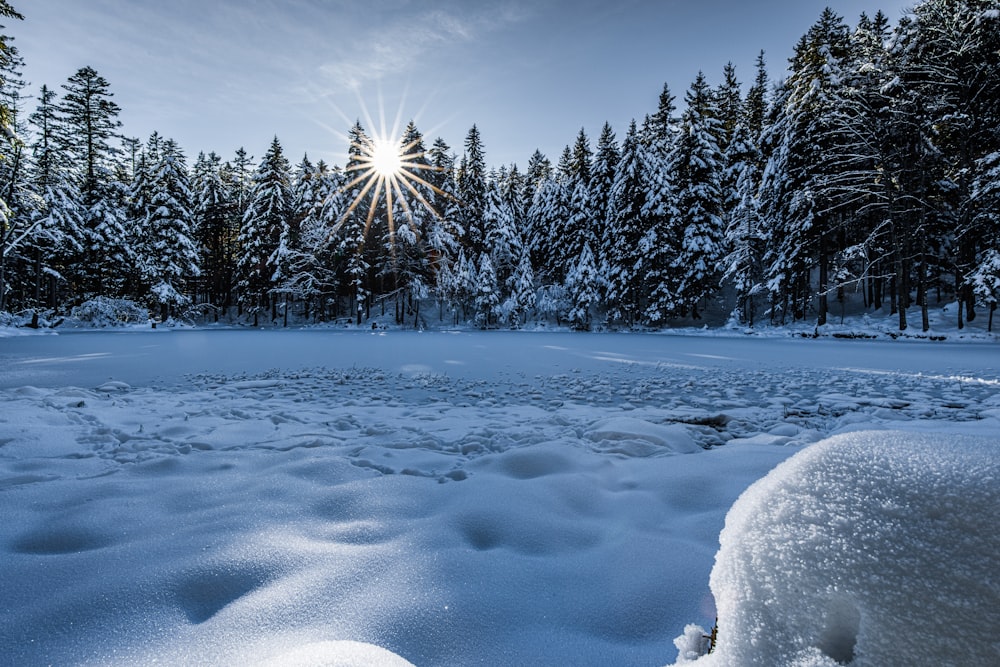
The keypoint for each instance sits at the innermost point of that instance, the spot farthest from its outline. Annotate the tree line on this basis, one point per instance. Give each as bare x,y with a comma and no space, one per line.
871,172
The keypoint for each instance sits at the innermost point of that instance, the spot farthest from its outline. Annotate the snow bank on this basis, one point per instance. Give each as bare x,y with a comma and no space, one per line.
865,549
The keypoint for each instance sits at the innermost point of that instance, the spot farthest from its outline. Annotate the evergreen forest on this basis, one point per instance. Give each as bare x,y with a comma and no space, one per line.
869,175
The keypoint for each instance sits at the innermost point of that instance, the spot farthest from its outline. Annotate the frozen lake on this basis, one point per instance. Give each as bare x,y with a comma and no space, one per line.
231,497
88,358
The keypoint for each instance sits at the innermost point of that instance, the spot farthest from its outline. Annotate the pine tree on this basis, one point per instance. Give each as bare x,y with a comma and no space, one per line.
414,224
657,248
169,256
696,166
950,56
352,228
313,266
445,229
58,236
16,207
624,230
583,287
214,229
265,219
795,200
7,56
522,290
985,277
548,212
728,103
660,127
90,126
602,179
300,201
502,236
89,132
138,210
487,292
744,237
572,221
471,179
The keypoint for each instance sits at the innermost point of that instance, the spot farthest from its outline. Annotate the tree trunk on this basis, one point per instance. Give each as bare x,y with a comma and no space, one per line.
958,300
879,288
902,282
3,272
824,277
38,278
892,295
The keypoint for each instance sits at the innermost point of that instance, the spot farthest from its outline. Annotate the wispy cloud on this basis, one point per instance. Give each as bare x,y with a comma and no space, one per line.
397,47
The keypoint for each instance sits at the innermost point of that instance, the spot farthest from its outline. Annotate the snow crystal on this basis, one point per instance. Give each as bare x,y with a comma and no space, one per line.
338,654
865,549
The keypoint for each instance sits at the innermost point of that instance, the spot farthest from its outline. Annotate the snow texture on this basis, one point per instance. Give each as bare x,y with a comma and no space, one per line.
238,497
866,549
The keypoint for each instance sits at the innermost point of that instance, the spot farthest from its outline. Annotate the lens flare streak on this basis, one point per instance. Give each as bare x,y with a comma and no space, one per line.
387,167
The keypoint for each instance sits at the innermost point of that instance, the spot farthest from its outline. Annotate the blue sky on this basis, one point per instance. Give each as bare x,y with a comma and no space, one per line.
220,74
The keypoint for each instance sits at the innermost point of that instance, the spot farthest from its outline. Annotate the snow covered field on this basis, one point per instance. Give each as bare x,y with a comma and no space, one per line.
498,498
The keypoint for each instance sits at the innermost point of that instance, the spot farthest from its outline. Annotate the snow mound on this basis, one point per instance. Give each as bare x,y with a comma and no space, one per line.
670,437
338,654
866,549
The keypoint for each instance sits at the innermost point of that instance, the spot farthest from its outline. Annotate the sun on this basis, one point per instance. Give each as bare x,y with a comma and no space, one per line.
385,158
386,168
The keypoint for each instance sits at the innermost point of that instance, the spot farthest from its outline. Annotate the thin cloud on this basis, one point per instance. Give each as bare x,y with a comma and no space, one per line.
398,47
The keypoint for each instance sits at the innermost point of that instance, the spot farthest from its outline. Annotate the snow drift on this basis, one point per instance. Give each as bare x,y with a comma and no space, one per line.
865,549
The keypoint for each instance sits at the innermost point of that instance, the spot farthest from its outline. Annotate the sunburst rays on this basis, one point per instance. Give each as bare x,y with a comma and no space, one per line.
387,169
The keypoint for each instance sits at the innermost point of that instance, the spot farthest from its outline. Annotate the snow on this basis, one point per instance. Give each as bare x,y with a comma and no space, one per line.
339,497
867,549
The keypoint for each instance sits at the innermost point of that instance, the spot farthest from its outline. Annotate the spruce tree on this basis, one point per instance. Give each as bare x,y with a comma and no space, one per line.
796,201
602,179
168,253
502,236
59,236
623,232
950,55
7,56
487,294
266,218
351,227
214,230
445,228
300,200
313,265
89,132
662,228
582,286
742,265
522,290
471,179
17,227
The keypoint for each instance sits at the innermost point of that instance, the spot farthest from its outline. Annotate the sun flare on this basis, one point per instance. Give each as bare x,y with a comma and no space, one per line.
385,158
387,171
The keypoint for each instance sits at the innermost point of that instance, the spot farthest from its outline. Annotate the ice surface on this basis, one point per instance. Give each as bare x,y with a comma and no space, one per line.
866,549
232,497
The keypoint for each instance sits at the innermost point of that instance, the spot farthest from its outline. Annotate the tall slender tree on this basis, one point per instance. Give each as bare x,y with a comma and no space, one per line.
266,218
